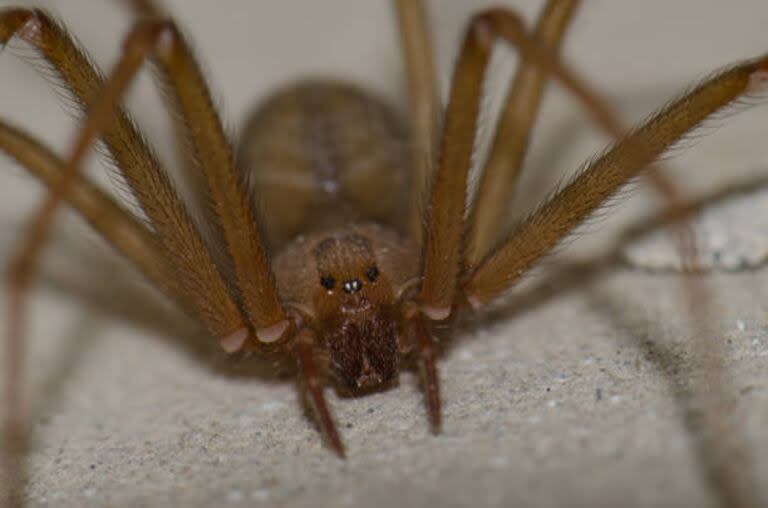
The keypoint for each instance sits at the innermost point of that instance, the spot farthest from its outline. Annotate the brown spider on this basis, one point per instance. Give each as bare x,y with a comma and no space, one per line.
353,284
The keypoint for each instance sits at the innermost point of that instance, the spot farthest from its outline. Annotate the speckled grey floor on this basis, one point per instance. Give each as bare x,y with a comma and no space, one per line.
592,388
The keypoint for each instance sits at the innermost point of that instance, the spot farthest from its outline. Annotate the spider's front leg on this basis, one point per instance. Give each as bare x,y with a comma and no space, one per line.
194,271
423,104
444,244
600,179
427,353
312,380
500,174
443,238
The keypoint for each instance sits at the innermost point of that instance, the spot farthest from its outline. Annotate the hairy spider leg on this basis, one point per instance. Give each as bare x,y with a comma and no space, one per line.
501,172
202,286
313,385
601,178
424,107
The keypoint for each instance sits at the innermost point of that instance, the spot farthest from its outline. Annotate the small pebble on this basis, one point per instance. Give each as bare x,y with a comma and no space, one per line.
499,461
234,496
466,355
260,495
272,407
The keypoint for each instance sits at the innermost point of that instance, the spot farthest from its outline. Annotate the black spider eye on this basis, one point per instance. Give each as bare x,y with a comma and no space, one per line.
328,282
372,273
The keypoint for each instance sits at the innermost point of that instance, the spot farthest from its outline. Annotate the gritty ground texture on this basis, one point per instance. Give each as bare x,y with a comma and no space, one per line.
595,386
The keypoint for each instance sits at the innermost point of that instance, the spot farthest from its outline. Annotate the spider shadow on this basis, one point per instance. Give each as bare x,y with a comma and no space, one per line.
723,460
14,473
14,457
108,291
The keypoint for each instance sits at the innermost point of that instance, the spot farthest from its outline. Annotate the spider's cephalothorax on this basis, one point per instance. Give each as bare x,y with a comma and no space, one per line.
346,290
355,306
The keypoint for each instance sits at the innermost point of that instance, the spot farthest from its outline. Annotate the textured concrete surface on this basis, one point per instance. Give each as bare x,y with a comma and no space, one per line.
595,386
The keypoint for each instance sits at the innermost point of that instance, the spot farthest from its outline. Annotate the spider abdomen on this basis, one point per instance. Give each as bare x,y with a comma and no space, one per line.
321,154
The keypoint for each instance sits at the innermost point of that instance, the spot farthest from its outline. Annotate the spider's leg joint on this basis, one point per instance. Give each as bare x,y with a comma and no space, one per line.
482,28
758,81
166,42
273,333
436,313
474,302
233,342
32,28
